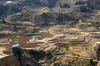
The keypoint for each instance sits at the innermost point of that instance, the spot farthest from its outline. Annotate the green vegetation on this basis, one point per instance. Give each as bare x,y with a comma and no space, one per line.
95,25
4,25
74,42
24,24
98,28
27,30
15,34
62,48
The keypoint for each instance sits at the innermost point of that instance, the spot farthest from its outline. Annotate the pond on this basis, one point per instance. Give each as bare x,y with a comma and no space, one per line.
15,45
35,35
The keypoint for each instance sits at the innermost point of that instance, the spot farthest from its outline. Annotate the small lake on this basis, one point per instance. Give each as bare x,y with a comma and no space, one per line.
15,45
35,35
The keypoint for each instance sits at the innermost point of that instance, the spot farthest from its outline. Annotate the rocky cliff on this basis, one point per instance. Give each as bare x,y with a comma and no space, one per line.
36,56
36,6
9,61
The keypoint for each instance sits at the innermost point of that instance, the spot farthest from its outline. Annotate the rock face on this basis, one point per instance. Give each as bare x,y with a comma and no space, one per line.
7,58
24,57
49,56
8,9
20,6
98,53
35,56
3,10
43,19
71,61
52,18
9,61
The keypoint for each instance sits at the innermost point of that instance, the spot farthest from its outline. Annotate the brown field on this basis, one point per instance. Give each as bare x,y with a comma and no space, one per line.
30,45
24,44
61,44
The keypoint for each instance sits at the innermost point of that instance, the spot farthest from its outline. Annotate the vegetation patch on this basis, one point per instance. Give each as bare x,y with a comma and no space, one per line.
4,25
75,42
62,48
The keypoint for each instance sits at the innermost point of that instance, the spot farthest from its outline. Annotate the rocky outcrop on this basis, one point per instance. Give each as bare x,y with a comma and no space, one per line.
71,61
9,61
36,56
43,19
73,4
52,18
3,10
18,17
29,10
8,9
24,57
98,53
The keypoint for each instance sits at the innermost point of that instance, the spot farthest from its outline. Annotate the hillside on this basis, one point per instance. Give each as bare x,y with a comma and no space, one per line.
49,33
